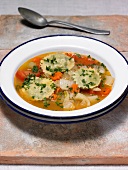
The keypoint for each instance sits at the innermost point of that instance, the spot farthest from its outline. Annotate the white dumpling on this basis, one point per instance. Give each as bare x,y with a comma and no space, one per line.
56,62
87,78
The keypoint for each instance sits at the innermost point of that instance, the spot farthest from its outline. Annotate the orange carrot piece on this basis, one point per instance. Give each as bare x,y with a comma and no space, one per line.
56,76
58,90
105,91
54,96
91,91
75,88
85,60
37,60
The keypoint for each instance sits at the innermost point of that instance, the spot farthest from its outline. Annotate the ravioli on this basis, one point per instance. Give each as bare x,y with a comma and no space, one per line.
56,62
87,78
39,88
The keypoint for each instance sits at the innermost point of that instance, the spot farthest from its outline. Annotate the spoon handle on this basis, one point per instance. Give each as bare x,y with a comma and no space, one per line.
89,30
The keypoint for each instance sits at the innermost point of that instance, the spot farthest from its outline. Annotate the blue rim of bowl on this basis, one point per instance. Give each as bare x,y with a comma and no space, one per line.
69,121
54,117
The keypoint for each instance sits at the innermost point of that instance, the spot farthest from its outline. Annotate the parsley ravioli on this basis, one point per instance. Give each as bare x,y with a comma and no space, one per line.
87,78
56,62
39,88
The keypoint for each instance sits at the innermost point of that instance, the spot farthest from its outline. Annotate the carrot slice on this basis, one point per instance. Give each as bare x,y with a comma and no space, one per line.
81,59
58,90
56,76
105,91
37,60
75,88
54,96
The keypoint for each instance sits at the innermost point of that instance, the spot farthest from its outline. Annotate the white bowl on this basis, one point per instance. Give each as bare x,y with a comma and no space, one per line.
99,50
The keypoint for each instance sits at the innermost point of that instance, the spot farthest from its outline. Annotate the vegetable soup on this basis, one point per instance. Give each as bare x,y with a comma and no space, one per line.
63,81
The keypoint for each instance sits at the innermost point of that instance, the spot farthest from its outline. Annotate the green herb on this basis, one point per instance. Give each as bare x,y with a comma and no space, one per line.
46,60
53,60
53,86
70,88
58,69
87,86
102,82
91,71
102,64
59,104
70,58
48,68
78,55
91,65
46,102
60,93
79,64
42,86
98,98
89,56
83,73
83,81
27,81
35,69
66,70
91,83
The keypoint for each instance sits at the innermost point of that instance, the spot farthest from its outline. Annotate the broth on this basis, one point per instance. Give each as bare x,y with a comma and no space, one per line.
63,81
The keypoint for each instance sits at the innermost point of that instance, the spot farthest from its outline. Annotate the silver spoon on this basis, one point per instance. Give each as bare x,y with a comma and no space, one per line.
38,20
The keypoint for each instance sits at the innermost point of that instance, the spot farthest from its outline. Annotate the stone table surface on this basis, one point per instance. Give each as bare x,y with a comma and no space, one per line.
100,141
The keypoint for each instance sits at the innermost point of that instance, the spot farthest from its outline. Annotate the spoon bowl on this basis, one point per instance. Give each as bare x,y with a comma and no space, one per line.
33,17
38,20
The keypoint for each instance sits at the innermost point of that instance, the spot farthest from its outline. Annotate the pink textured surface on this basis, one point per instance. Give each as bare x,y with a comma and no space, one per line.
100,141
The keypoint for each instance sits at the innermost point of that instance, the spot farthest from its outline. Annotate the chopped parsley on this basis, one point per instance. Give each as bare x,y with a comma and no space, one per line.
66,70
80,64
102,64
27,81
70,88
97,98
53,86
58,69
41,85
46,60
53,60
33,97
48,68
102,82
78,55
35,69
91,71
59,104
70,58
89,56
83,81
46,102
87,85
91,83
